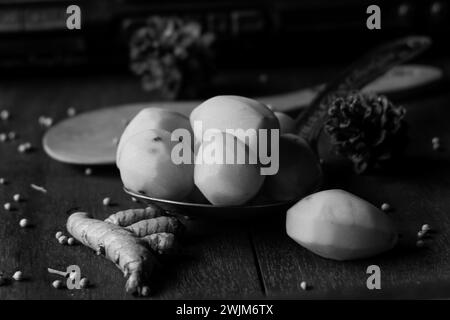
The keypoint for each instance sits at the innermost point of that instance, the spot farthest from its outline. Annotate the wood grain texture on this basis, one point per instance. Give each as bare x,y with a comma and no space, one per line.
216,264
219,260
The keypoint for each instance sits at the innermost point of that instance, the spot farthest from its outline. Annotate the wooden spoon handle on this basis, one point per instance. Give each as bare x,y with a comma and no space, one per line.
365,70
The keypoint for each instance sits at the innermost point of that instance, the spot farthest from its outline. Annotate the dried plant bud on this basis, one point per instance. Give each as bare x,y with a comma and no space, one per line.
366,128
164,51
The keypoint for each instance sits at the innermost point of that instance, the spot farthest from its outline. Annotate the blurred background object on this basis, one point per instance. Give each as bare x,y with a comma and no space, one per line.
249,32
252,35
171,55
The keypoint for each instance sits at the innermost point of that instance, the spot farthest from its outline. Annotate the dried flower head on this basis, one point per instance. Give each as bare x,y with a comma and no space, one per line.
166,50
366,128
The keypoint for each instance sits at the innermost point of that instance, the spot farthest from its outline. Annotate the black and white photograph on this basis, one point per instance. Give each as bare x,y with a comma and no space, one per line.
225,155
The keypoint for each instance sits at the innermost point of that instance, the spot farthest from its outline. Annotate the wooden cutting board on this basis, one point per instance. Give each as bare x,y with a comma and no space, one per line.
90,138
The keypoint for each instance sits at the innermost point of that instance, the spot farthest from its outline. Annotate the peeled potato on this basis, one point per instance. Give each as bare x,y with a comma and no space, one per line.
299,170
233,112
287,124
147,167
222,183
338,225
152,118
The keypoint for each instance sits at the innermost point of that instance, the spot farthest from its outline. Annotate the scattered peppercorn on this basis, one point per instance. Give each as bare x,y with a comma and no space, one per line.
62,240
88,171
421,234
24,223
420,244
45,121
385,207
18,275
2,181
4,115
304,285
58,234
7,206
71,112
71,241
57,284
426,227
84,282
106,201
24,147
145,291
17,197
21,148
3,137
263,78
134,199
436,143
12,135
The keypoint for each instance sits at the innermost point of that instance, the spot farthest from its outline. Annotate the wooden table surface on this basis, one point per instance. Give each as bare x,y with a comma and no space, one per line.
231,259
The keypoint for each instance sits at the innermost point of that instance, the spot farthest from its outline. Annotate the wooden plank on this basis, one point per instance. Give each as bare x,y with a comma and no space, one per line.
216,262
419,190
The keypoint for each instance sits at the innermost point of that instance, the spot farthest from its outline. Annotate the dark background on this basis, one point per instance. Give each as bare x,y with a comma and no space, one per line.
250,34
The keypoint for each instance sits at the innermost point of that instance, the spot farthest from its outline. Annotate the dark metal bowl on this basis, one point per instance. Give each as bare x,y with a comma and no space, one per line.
210,211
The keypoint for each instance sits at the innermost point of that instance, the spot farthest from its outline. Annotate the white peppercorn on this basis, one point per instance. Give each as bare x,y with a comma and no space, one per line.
62,240
84,282
303,285
106,201
24,223
18,275
57,284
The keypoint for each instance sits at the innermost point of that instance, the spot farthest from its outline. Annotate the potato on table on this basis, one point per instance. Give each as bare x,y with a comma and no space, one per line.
233,112
223,183
153,118
147,167
299,170
338,225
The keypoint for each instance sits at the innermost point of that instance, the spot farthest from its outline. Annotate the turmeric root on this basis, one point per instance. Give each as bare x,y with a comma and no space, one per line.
126,217
128,242
155,225
161,242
